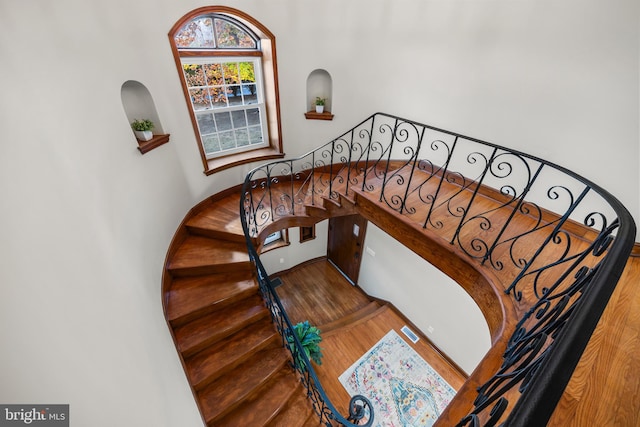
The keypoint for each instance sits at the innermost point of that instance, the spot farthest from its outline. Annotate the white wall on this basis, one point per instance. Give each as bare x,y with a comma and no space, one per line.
558,80
86,219
424,294
295,253
431,300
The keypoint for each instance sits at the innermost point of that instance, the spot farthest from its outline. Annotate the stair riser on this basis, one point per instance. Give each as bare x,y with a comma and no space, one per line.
317,211
218,305
223,334
210,269
297,412
216,234
272,398
272,342
241,399
352,319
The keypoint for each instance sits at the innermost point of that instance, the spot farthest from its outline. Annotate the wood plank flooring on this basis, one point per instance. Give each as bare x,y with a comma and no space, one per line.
604,390
317,292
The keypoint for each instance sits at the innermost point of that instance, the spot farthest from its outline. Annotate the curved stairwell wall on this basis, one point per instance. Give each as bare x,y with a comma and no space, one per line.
433,302
296,253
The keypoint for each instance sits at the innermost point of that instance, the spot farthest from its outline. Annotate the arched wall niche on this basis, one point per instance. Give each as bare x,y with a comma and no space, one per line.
138,104
319,84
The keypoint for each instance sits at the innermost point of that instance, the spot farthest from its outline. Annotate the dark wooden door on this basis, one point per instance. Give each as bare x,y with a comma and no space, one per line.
344,247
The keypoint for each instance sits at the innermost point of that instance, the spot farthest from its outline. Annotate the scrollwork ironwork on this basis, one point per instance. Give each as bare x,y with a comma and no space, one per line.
453,176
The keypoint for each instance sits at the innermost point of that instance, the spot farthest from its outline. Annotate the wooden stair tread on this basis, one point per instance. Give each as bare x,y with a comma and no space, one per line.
369,314
219,219
228,353
298,411
206,330
203,254
364,312
194,296
230,202
225,394
267,404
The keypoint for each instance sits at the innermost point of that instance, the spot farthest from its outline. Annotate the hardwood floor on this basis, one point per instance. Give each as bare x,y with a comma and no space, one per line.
604,390
317,292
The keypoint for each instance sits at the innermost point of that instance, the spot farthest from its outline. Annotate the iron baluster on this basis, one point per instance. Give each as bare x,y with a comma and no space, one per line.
473,196
413,166
516,208
444,169
518,295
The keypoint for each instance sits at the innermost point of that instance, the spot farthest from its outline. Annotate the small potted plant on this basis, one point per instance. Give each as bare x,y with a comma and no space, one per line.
320,104
309,337
142,129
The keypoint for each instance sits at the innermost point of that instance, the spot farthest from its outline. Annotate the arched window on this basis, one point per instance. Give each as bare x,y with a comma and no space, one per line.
227,66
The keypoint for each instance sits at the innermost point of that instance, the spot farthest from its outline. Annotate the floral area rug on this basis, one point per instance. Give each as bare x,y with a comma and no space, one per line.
403,389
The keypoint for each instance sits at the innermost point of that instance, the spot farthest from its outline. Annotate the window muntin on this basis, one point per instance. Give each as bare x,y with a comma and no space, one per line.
228,103
210,33
214,35
220,83
226,93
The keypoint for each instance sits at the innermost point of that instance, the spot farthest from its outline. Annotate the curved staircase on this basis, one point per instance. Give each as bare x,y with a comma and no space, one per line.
233,357
541,277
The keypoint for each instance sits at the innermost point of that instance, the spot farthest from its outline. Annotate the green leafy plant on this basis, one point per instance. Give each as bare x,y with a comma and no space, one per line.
309,337
142,125
320,101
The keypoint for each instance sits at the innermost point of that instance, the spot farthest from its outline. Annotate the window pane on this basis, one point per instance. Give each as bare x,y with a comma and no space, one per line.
239,120
223,120
198,33
247,73
249,92
242,137
193,74
214,74
255,134
230,35
206,123
210,143
230,73
235,95
218,97
200,98
253,116
227,141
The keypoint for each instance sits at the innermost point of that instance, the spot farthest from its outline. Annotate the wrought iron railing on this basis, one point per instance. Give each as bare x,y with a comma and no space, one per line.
561,241
360,409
